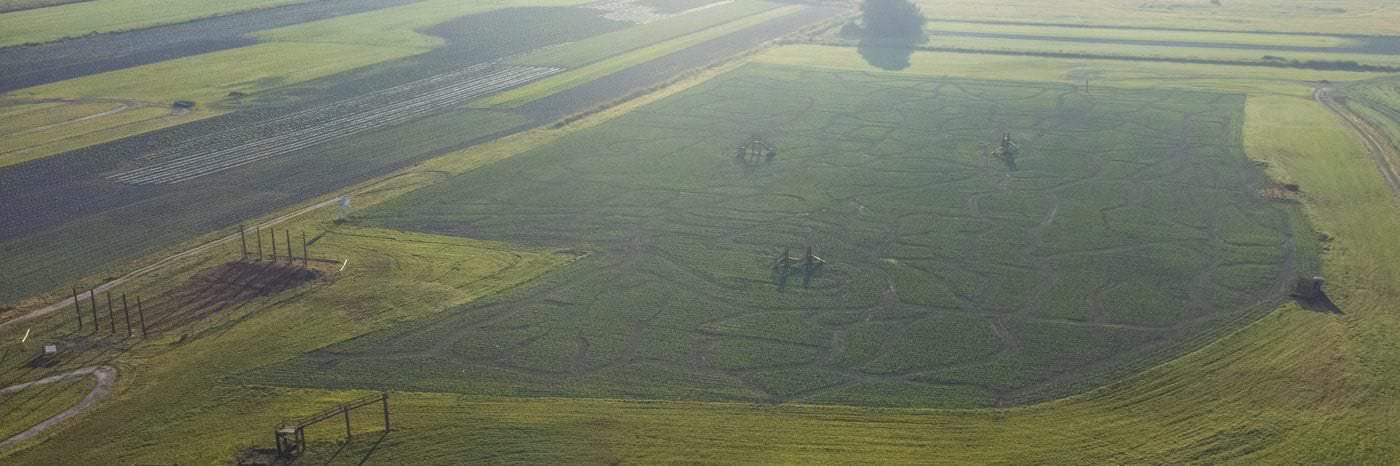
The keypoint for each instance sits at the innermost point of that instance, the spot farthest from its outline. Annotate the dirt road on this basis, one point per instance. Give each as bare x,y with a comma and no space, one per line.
1377,144
106,376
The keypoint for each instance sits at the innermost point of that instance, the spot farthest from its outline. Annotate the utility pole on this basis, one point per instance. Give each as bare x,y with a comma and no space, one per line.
127,312
78,308
142,315
92,299
111,314
386,411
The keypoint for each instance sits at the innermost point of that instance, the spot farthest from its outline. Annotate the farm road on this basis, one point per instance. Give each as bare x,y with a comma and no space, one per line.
1377,144
106,376
32,65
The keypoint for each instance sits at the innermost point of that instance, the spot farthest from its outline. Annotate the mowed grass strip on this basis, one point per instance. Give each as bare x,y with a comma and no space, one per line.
1252,80
1110,34
1322,16
1131,51
569,79
96,16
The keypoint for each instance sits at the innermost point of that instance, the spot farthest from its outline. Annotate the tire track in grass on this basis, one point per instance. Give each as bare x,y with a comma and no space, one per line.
106,377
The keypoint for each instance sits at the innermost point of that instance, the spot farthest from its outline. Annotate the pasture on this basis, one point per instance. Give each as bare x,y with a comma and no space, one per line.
1130,228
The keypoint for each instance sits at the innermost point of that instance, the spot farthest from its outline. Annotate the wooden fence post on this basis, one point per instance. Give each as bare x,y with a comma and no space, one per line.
258,231
77,307
141,314
111,313
92,300
244,241
126,311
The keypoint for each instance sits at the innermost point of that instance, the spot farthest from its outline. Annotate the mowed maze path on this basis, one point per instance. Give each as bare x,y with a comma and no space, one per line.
1130,229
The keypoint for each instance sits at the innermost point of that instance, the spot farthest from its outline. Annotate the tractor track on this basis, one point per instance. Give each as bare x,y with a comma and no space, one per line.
1378,146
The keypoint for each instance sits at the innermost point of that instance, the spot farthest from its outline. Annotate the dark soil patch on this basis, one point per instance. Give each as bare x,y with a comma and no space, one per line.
227,287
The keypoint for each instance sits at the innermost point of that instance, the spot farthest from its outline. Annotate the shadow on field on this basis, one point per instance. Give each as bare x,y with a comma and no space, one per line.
886,54
1320,303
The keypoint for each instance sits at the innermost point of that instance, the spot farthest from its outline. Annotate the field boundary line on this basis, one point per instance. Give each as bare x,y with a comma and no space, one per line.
106,377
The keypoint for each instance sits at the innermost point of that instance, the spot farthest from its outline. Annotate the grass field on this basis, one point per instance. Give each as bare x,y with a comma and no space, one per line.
1293,387
969,261
1128,51
96,16
1324,16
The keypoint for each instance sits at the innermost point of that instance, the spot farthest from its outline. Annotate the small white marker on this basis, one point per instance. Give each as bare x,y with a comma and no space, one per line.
26,335
343,264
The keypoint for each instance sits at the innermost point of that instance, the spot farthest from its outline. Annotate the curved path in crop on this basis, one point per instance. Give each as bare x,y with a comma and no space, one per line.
105,375
1377,144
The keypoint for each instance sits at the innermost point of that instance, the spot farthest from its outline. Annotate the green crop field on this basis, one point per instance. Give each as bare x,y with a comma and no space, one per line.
96,16
1131,227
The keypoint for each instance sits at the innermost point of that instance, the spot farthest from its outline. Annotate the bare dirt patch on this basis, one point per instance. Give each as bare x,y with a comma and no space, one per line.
229,286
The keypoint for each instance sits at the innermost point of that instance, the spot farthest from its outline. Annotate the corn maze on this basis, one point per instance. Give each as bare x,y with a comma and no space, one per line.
1130,230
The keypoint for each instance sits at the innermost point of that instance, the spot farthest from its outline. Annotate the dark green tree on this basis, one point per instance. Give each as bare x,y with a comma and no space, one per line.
892,19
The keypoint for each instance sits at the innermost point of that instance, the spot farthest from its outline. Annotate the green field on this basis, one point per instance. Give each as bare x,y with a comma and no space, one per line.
96,16
1131,227
1319,16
